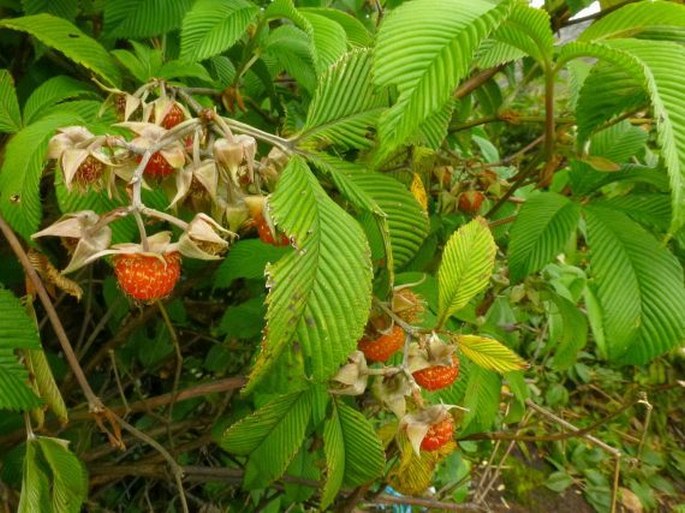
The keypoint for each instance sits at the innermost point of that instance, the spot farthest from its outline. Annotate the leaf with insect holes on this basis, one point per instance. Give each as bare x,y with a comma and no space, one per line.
466,267
488,353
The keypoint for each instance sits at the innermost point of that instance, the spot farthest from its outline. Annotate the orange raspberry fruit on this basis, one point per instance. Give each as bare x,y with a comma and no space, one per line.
147,278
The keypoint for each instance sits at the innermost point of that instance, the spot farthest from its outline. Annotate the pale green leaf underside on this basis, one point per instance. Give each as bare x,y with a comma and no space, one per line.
10,116
466,267
345,106
212,27
21,171
639,286
424,48
63,36
542,228
320,294
489,353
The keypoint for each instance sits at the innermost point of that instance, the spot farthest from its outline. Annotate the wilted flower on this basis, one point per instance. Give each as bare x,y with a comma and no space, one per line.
434,352
232,153
204,238
81,157
392,391
162,162
79,226
352,377
193,179
418,423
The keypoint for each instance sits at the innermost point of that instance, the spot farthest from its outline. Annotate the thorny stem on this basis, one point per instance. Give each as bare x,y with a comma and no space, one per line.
94,403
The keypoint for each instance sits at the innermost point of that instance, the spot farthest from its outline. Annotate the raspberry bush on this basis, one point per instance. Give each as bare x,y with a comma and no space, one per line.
308,256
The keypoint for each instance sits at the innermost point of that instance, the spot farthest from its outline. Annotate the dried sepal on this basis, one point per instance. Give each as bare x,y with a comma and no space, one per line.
203,176
80,226
392,391
432,351
157,245
417,423
352,377
204,239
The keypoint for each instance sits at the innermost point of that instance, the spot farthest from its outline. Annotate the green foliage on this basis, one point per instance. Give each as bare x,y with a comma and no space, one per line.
356,168
639,286
63,36
10,117
466,267
21,171
17,331
320,294
541,230
54,479
210,28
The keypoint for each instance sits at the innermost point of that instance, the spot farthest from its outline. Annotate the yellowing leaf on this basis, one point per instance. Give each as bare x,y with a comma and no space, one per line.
489,354
466,267
419,191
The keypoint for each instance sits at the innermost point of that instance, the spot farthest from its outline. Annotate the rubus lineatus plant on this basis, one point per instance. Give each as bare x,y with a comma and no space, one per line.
370,218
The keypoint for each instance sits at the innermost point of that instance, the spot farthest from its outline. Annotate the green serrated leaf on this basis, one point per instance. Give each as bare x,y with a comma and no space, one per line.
357,34
35,488
425,48
247,259
52,92
657,20
62,8
328,37
65,37
320,295
541,230
271,436
21,171
488,353
210,28
639,287
529,30
143,18
569,335
17,330
345,107
10,116
466,267
393,216
334,449
15,394
482,399
69,480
